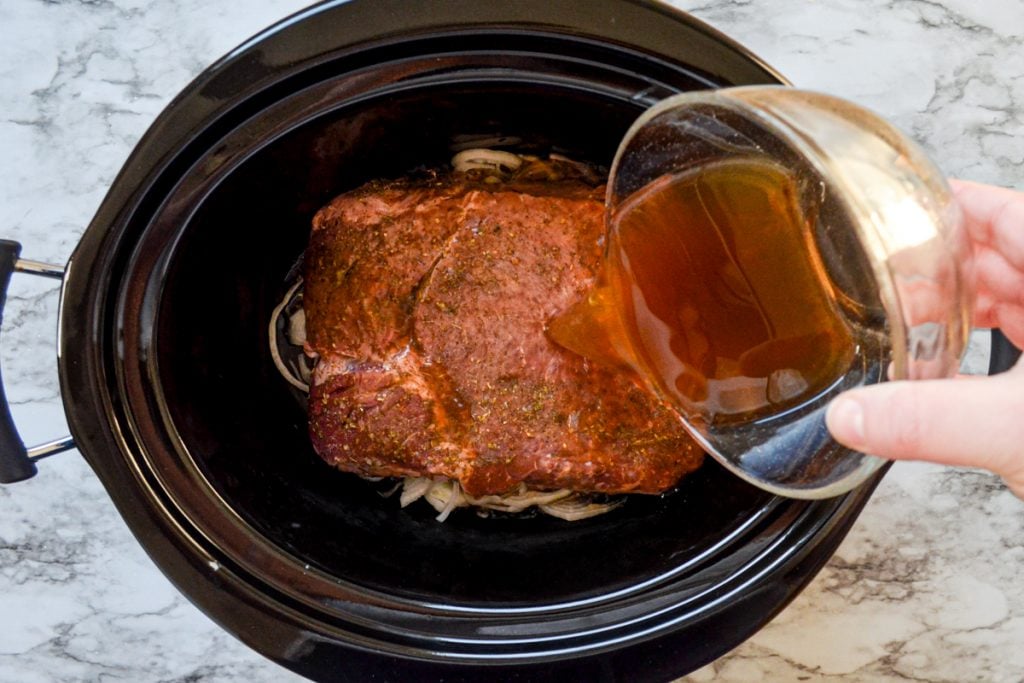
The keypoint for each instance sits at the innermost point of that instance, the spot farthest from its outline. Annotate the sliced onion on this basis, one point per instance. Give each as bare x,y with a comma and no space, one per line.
486,159
275,354
450,493
577,507
414,488
297,327
522,500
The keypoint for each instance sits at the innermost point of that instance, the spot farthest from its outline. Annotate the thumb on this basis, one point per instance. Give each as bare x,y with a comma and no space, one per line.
970,421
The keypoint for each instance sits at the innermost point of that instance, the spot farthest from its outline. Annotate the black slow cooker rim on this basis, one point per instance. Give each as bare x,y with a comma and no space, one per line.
244,605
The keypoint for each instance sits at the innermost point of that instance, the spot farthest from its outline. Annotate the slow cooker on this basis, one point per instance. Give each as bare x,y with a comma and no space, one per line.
173,399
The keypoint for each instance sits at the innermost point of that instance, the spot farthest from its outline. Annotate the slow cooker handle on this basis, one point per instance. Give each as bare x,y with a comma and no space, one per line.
1004,354
17,462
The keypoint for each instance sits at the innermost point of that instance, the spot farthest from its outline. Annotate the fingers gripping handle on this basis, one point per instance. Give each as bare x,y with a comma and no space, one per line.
16,461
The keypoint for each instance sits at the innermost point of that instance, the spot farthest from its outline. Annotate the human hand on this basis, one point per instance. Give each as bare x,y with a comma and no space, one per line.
967,421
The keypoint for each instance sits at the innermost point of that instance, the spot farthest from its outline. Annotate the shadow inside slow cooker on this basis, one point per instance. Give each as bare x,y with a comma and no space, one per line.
246,429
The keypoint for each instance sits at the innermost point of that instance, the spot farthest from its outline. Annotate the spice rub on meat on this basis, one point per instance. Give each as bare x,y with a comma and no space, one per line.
426,303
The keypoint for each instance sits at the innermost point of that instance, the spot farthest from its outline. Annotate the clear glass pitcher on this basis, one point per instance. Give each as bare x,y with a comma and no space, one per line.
887,260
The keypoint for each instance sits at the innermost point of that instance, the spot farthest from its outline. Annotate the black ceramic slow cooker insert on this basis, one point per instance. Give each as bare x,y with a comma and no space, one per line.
173,398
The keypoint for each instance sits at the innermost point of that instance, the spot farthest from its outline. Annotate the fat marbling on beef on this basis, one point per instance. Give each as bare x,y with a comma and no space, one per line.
426,303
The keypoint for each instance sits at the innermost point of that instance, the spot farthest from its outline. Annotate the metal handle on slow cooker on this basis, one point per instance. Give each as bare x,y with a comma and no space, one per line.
16,461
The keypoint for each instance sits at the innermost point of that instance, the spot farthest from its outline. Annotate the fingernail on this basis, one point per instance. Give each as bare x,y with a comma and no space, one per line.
845,419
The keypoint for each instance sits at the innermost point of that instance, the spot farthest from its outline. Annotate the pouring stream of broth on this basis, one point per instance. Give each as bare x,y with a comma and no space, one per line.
713,294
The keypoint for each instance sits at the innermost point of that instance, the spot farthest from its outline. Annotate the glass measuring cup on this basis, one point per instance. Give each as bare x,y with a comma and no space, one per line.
871,283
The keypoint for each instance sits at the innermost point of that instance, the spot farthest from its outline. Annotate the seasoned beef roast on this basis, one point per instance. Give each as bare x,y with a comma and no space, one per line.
426,303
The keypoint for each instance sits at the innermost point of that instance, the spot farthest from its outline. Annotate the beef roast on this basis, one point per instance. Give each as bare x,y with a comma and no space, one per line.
426,303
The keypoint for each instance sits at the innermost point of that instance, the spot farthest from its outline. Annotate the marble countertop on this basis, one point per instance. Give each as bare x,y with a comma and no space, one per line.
927,585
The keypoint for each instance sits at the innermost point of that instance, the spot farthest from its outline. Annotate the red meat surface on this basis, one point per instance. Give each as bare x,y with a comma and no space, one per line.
426,303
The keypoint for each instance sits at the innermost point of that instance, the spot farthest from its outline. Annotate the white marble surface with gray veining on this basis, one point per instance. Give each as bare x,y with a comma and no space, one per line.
925,588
